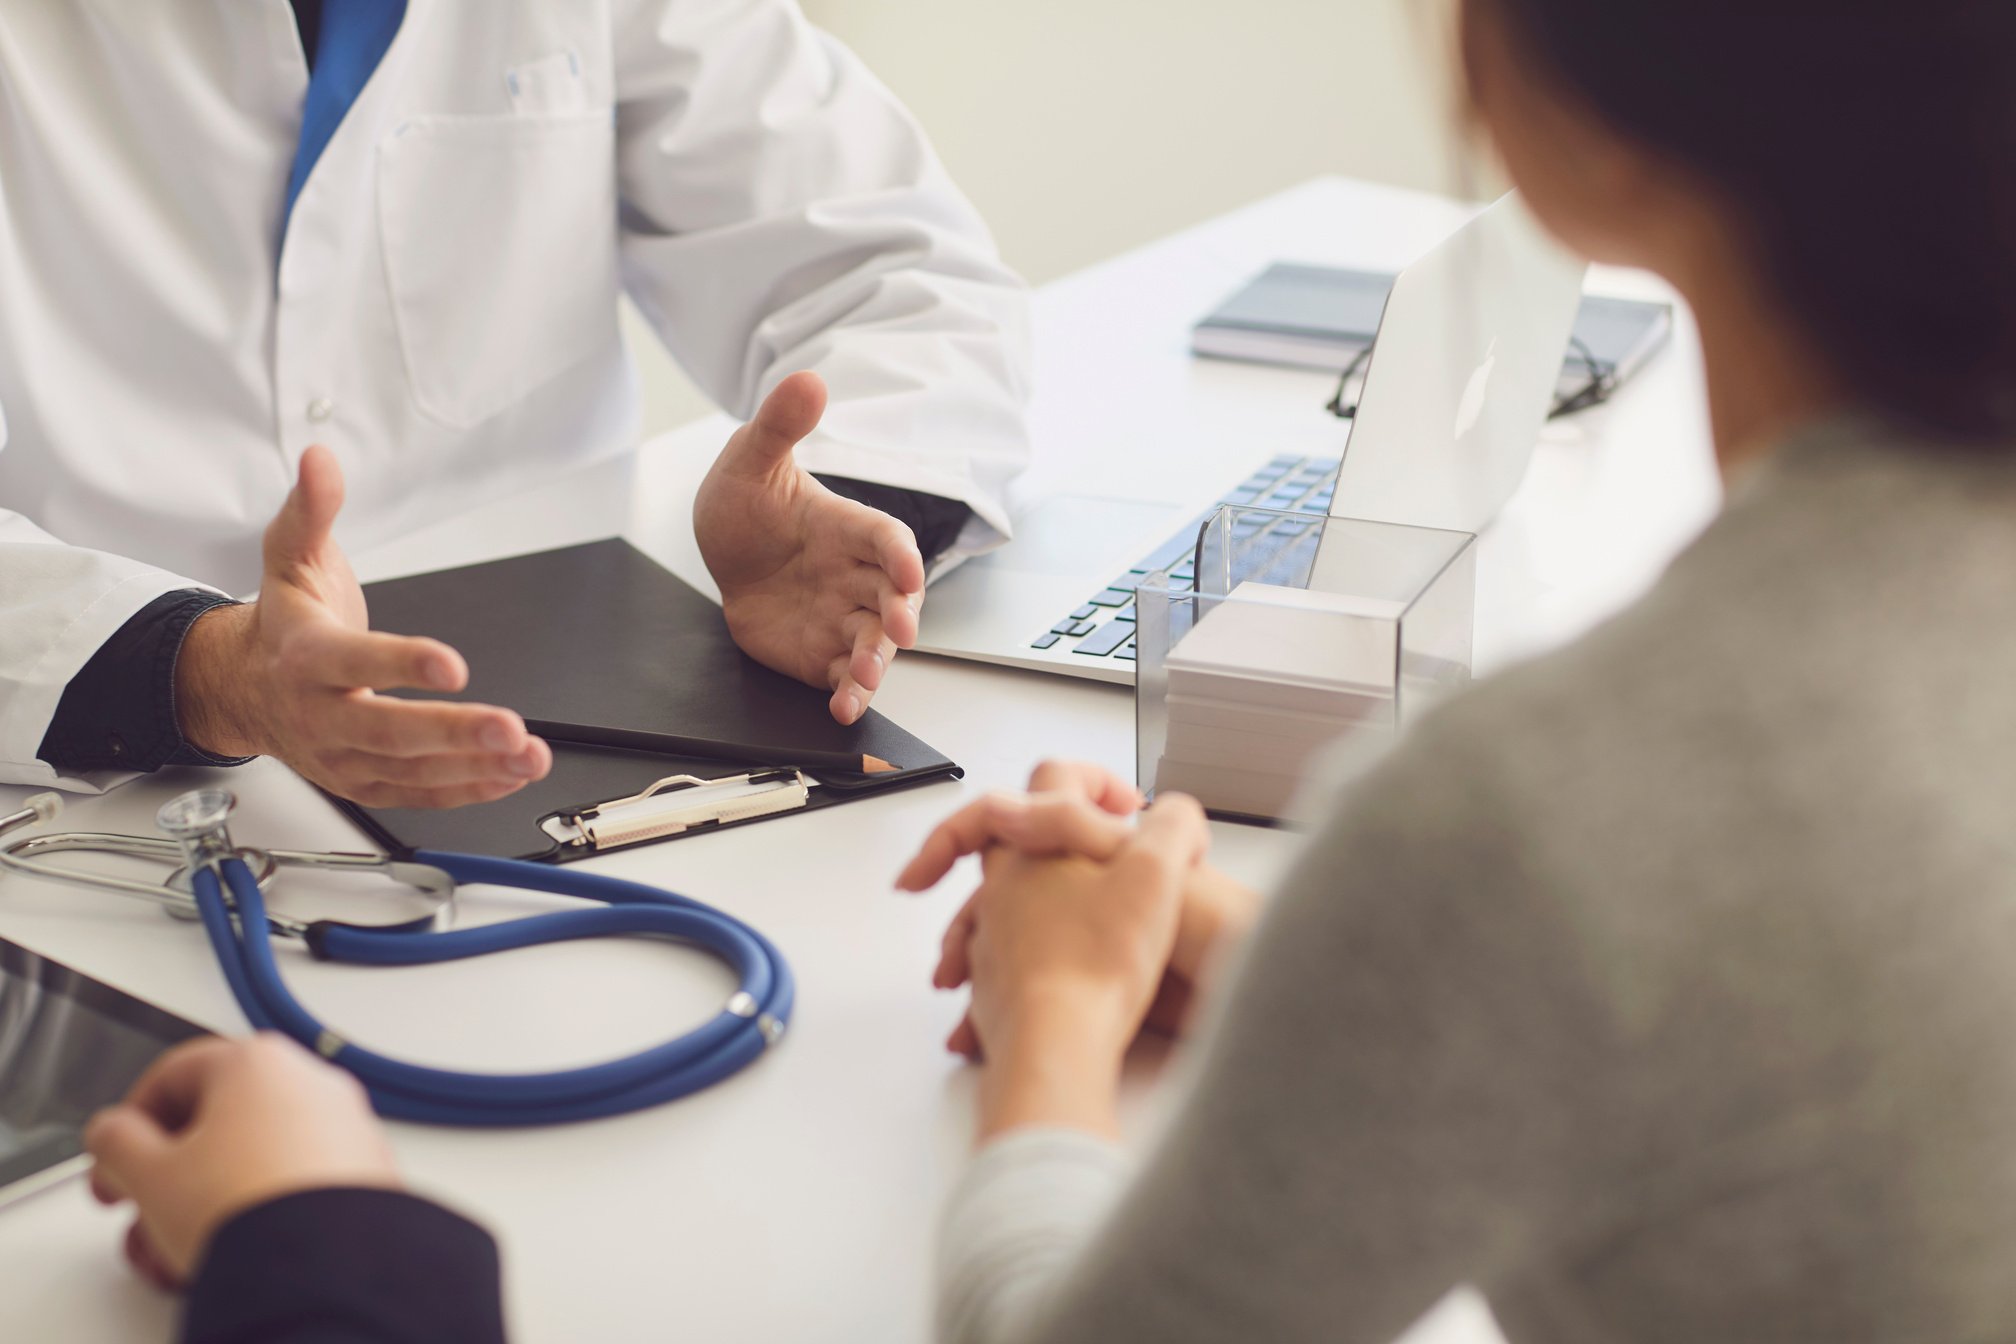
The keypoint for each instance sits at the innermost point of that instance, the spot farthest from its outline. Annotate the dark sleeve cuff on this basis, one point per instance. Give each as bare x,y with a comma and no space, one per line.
118,712
934,520
347,1267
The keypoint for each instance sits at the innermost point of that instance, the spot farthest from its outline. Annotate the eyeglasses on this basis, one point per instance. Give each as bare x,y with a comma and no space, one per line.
1600,386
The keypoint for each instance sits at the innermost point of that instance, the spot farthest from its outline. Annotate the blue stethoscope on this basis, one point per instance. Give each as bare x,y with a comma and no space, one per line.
220,884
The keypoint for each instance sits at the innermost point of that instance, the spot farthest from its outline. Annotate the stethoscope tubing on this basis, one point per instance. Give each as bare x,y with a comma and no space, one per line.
399,1090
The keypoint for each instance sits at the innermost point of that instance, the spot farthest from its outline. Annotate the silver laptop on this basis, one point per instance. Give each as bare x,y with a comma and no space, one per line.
1458,387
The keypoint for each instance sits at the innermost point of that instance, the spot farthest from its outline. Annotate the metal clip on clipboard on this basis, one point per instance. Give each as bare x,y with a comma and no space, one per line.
677,804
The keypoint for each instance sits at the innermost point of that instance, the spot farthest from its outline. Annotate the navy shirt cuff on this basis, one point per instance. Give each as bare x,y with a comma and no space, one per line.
118,712
935,521
347,1266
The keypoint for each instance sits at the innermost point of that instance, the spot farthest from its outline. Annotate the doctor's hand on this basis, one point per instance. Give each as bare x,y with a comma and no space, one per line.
293,676
813,585
218,1127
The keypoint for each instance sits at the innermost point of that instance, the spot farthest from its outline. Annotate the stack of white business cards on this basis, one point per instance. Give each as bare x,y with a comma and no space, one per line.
1265,682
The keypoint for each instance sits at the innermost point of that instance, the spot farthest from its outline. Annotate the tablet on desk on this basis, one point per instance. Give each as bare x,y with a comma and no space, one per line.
68,1046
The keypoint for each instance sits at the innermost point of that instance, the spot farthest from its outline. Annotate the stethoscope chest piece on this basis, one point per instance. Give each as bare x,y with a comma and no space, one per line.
197,816
197,821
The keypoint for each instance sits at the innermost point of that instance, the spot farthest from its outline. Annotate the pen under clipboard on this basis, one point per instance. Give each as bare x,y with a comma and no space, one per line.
700,748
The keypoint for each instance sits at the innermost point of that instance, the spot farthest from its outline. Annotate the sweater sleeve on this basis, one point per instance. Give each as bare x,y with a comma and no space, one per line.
1025,1207
345,1266
1390,1103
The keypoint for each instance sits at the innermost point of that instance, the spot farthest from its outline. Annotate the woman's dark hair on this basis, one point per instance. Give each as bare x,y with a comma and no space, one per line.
1871,147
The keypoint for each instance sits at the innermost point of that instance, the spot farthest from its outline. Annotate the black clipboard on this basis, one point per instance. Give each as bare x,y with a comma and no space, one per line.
603,637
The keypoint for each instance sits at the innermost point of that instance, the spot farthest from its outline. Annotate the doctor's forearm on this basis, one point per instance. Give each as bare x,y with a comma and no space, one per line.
824,235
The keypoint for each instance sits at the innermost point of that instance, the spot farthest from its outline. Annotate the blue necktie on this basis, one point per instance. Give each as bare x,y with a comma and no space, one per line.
354,37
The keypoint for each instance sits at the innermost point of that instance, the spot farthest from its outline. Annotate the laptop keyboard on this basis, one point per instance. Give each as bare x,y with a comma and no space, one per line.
1104,626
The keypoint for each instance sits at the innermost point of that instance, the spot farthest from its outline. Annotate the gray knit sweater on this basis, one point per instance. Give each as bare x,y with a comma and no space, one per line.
1664,989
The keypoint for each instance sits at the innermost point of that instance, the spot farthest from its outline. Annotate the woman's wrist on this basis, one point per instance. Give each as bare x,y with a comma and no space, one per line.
1057,1064
1218,912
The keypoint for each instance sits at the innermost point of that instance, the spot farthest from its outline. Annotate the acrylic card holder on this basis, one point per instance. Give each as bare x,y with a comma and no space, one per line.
1283,635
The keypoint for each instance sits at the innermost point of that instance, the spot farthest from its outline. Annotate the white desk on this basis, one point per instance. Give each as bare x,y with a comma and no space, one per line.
797,1201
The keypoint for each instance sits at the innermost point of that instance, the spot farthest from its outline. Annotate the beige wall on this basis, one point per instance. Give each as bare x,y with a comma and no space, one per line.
1085,127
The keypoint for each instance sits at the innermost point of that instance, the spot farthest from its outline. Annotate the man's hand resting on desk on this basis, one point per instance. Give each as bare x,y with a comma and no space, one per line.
293,676
219,1126
813,585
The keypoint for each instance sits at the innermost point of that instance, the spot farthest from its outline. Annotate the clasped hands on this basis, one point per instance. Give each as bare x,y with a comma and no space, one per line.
1087,926
814,585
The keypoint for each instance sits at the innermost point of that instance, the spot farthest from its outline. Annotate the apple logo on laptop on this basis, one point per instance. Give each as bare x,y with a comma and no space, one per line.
1471,409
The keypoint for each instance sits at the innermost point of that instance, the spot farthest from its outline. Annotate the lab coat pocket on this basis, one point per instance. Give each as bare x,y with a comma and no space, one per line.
550,86
500,251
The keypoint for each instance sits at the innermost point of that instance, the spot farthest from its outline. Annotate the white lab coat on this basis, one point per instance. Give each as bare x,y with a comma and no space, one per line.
443,311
